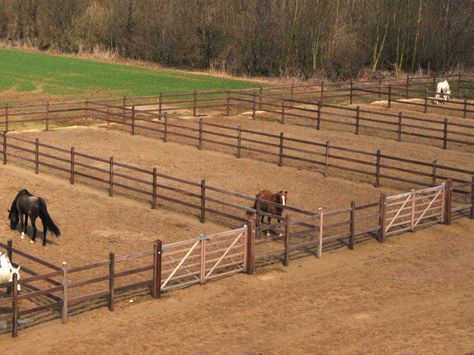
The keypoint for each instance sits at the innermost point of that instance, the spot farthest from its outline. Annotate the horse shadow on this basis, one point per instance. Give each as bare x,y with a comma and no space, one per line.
39,235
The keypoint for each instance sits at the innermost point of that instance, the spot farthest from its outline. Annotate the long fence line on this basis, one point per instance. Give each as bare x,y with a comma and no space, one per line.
200,260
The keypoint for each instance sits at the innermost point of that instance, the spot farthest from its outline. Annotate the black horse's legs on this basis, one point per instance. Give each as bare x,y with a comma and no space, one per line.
33,224
45,231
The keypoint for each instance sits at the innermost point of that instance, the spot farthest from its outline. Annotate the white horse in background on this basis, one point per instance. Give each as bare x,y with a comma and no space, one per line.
442,89
7,270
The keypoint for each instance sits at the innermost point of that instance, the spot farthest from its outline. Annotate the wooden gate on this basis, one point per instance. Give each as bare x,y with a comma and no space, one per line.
199,260
415,209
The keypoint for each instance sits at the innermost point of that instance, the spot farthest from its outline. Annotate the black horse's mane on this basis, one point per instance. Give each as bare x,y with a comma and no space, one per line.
24,191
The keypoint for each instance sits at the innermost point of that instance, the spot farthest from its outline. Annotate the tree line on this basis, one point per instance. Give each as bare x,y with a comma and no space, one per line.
332,38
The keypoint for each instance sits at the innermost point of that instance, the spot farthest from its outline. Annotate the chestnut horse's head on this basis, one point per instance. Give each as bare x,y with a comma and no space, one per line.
281,197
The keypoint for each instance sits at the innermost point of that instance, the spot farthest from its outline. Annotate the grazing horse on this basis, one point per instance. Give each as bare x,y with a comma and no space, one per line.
279,199
25,204
442,89
7,270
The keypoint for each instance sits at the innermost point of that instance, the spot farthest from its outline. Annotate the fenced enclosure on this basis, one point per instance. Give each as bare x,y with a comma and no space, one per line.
58,291
64,290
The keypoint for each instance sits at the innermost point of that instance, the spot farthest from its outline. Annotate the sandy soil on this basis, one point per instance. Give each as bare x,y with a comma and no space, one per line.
412,294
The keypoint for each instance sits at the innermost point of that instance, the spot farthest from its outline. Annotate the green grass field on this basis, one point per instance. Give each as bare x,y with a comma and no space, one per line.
26,74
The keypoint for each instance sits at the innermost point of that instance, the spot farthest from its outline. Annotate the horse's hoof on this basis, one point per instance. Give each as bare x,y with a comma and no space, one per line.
32,242
268,234
280,235
22,236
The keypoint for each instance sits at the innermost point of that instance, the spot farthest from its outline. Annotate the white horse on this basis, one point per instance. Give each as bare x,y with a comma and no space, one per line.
7,270
442,89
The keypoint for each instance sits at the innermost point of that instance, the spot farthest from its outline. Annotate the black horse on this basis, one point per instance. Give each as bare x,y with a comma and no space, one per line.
25,204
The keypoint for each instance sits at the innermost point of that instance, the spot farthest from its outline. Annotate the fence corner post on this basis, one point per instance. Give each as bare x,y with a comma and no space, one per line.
250,267
157,256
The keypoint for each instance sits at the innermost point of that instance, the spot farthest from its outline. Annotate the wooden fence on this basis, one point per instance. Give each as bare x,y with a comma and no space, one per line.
199,260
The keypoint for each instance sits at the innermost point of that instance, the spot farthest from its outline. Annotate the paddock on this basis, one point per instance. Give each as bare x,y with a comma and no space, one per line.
217,163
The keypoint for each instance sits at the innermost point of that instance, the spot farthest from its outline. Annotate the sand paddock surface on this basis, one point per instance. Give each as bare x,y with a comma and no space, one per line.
412,294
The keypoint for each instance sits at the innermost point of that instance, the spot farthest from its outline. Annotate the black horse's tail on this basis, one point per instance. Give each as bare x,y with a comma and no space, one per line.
46,218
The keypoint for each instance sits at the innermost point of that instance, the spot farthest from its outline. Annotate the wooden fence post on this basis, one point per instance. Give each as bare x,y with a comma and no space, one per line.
352,226
10,256
448,201
227,112
260,98
357,120
459,84
351,93
71,175
254,105
433,174
321,232
111,176
36,156
133,120
389,96
47,116
465,107
318,117
472,198
111,304
239,141
165,128
160,104
6,118
4,148
203,201
202,276
407,86
64,312
382,217
157,260
15,306
154,186
326,160
194,102
321,99
377,169
280,155
282,119
287,241
400,123
250,267
445,134
200,134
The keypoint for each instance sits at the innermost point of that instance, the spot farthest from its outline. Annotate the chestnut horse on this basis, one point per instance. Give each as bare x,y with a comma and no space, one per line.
279,199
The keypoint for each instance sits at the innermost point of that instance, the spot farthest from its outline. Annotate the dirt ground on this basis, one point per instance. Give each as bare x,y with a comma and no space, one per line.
412,294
